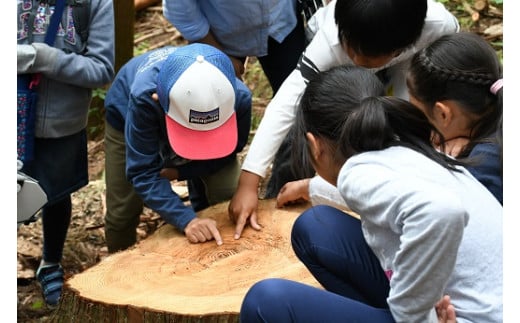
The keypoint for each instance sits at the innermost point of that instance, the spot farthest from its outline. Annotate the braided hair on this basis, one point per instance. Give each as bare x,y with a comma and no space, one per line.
461,67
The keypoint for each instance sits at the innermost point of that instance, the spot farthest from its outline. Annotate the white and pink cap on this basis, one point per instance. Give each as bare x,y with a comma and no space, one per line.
196,88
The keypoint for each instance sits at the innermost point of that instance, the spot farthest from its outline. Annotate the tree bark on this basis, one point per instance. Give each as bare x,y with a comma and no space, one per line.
165,278
124,19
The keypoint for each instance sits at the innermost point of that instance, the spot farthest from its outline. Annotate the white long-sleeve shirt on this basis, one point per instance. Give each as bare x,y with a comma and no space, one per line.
434,231
325,52
322,192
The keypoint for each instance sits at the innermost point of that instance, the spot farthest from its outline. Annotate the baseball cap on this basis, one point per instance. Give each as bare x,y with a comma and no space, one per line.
196,88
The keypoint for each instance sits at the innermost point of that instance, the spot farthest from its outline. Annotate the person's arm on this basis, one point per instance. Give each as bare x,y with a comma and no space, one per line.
322,53
187,17
276,122
487,168
322,192
316,190
144,163
93,69
431,235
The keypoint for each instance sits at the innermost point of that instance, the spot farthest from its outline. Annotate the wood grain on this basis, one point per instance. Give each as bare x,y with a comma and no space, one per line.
169,277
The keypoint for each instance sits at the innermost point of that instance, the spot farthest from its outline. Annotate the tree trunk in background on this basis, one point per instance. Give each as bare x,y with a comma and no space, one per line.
167,279
124,18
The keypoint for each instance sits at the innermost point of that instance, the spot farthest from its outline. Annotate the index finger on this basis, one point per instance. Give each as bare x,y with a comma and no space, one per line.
216,234
241,222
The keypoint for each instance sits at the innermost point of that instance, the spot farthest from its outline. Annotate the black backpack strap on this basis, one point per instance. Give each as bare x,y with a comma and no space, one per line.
81,16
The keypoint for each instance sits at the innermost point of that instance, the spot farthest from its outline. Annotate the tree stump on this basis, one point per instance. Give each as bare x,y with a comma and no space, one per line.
165,278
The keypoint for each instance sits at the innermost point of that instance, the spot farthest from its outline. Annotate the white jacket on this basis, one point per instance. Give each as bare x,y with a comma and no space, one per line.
325,52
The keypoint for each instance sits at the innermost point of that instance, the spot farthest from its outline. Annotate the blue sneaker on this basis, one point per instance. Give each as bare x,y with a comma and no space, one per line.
51,282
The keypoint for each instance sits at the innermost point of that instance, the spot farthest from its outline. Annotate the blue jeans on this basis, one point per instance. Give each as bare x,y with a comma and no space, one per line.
331,245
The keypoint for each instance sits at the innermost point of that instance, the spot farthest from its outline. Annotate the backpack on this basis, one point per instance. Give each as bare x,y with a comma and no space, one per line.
80,15
27,94
27,83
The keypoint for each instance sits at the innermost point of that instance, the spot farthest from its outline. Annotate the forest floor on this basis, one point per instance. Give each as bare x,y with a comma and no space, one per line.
85,245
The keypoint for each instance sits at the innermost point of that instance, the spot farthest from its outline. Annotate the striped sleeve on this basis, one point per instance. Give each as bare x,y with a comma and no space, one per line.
307,68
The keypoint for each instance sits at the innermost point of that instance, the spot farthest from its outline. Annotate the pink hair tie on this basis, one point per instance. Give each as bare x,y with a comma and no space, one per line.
496,86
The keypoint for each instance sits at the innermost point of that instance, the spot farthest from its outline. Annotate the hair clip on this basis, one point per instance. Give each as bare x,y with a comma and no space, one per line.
495,87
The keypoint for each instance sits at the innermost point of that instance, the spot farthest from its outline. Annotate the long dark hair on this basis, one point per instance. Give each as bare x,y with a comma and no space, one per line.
382,122
461,67
326,103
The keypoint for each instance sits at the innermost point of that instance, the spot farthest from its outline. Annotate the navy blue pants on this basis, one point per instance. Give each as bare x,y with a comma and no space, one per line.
331,245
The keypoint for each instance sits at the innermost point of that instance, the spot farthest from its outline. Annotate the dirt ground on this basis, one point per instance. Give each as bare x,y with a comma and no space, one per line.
85,244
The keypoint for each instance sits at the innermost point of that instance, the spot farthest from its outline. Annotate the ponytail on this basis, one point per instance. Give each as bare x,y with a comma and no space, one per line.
382,122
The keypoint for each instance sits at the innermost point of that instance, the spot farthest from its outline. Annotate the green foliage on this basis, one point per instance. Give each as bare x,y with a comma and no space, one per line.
99,93
466,23
257,82
141,48
256,117
37,305
499,47
96,114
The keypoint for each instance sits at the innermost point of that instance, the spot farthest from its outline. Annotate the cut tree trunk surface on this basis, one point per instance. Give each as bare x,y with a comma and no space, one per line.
165,278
